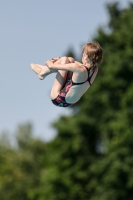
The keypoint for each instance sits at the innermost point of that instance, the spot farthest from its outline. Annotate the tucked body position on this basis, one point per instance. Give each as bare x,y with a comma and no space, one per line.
73,78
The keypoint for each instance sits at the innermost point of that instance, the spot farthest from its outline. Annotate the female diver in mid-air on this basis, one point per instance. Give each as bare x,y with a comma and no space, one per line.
72,78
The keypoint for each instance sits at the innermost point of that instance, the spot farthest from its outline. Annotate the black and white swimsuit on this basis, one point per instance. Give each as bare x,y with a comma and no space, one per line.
60,99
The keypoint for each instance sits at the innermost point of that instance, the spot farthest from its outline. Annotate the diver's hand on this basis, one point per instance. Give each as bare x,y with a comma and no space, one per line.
55,59
49,63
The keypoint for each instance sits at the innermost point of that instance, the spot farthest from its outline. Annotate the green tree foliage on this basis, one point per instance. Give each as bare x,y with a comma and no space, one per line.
91,158
22,166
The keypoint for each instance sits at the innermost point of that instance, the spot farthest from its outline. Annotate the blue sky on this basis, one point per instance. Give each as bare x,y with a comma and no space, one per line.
35,31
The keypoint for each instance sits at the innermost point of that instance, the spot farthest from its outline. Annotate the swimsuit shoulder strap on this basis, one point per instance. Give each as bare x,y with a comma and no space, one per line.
91,72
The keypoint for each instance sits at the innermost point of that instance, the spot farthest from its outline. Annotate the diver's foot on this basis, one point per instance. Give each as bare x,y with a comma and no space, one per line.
40,70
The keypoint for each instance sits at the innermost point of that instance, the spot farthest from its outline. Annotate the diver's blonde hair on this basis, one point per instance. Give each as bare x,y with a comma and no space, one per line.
94,52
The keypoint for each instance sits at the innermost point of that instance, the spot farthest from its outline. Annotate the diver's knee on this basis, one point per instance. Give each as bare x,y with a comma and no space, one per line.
71,59
64,59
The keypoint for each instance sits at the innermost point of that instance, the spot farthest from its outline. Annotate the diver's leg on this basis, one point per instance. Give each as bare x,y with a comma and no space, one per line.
61,78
